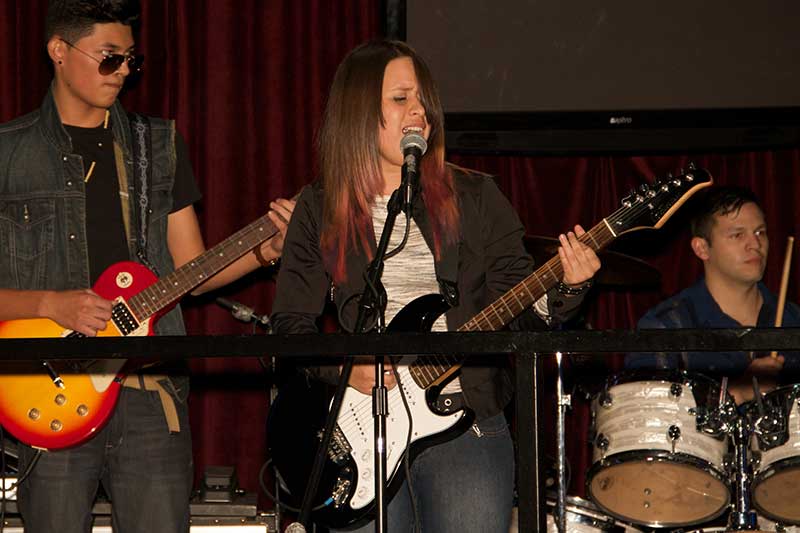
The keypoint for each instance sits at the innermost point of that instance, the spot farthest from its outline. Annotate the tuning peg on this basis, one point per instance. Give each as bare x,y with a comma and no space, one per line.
681,172
692,166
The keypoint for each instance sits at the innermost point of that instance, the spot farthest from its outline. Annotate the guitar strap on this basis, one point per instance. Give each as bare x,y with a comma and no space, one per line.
143,172
136,226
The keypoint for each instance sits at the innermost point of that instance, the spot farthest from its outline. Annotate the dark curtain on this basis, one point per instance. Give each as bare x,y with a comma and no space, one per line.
246,82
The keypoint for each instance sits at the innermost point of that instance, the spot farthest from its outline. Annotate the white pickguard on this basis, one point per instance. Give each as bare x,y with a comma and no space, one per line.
356,422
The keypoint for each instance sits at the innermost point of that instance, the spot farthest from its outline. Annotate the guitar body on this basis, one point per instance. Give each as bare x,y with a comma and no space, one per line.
347,489
38,412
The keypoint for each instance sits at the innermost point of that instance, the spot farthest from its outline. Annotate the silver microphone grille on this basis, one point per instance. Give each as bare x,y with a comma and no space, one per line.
413,140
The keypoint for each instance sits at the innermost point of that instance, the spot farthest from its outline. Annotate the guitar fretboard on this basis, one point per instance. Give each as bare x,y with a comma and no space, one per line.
431,370
173,286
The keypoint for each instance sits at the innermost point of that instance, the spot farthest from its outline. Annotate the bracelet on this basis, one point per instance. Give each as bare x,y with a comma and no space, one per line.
566,290
263,260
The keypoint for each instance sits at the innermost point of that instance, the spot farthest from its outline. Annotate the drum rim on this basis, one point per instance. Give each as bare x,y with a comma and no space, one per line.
764,476
658,456
603,521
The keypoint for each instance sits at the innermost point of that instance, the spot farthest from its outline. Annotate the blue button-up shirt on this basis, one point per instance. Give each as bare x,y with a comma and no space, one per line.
694,307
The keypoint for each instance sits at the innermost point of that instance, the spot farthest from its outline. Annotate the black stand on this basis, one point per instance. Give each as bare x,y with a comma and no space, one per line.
530,445
371,304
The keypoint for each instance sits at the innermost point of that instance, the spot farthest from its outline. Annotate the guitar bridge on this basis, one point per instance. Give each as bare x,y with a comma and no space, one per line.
123,319
339,449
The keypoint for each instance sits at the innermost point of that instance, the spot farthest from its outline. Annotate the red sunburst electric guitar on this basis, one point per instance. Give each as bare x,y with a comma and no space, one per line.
54,405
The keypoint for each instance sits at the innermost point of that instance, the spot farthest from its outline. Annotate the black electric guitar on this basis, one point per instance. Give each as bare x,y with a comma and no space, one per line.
346,495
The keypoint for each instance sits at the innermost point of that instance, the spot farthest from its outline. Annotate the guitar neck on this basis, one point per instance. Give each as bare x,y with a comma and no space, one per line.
172,287
428,371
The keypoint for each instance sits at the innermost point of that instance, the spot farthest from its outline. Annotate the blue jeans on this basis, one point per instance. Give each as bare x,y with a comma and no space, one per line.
146,471
461,486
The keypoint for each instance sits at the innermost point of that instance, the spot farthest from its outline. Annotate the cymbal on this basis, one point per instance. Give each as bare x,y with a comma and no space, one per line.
617,270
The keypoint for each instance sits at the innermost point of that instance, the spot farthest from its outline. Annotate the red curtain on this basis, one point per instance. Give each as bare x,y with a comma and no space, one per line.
246,82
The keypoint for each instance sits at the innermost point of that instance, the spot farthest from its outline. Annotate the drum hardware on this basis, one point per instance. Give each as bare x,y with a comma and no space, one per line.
676,390
742,516
582,516
776,476
718,422
602,444
769,425
605,399
674,433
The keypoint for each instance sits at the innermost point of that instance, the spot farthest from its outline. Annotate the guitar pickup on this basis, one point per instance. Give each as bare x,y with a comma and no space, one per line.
123,318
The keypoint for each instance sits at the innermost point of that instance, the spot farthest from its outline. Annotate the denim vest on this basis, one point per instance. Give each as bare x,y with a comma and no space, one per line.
43,203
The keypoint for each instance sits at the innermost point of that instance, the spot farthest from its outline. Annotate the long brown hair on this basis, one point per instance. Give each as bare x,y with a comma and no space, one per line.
350,157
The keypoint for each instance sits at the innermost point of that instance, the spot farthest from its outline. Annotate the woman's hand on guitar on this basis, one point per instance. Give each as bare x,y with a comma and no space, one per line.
362,378
280,214
580,262
79,310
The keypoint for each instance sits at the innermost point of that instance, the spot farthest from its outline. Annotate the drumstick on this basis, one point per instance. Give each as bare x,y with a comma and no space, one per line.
787,263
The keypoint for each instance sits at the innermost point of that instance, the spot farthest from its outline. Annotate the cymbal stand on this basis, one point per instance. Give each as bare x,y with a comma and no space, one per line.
563,401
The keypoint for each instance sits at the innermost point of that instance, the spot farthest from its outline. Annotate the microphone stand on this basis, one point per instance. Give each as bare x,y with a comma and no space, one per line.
373,300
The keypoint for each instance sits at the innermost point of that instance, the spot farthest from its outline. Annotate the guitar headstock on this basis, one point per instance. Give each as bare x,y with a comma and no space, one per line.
651,205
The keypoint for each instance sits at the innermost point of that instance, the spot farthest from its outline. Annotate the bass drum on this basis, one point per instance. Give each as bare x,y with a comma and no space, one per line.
776,483
659,453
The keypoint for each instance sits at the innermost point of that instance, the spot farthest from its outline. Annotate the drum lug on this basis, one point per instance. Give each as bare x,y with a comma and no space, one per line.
674,434
676,390
602,443
755,459
728,463
605,400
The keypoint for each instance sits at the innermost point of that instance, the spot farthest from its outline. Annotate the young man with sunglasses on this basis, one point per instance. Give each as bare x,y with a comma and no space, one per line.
68,210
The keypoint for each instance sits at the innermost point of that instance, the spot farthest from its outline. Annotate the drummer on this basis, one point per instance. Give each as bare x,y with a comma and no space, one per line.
729,235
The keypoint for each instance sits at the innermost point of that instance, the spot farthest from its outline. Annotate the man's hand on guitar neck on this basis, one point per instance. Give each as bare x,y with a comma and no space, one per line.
362,378
79,310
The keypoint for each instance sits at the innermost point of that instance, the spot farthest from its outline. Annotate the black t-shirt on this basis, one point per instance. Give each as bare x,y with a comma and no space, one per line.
105,229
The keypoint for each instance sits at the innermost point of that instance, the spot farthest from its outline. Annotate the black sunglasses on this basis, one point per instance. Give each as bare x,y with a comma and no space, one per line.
112,62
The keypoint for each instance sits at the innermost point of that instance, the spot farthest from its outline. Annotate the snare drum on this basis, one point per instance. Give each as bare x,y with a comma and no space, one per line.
658,461
776,481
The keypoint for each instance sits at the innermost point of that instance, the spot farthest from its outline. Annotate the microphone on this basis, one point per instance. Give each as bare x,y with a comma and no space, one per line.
243,313
295,527
413,146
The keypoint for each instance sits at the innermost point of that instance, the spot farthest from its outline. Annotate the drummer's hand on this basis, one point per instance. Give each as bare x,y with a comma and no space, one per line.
765,370
579,261
362,378
766,366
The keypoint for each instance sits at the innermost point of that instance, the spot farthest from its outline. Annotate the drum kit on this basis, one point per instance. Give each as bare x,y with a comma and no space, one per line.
672,451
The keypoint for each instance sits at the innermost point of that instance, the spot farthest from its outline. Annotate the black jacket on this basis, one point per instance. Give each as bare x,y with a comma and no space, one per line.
488,259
